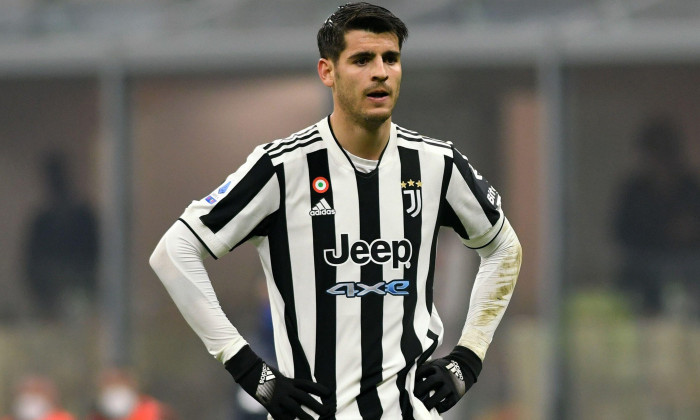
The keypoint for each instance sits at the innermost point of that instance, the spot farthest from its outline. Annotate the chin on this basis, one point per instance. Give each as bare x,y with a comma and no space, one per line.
377,118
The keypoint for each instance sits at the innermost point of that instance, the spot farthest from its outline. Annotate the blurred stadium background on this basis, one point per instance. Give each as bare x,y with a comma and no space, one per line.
151,103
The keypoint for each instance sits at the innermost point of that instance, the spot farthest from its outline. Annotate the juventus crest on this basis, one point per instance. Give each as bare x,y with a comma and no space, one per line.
413,201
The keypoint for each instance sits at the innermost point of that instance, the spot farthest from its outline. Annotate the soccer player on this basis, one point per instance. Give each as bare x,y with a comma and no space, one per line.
345,215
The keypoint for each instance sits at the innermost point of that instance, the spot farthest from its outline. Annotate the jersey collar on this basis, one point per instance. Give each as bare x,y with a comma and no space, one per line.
339,155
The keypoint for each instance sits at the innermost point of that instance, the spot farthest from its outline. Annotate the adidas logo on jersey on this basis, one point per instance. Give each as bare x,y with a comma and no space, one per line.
322,208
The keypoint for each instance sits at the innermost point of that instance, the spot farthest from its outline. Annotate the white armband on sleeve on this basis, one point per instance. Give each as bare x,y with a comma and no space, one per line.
493,288
178,262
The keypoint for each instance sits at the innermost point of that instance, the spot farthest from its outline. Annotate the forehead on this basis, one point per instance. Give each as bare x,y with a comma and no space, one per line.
358,40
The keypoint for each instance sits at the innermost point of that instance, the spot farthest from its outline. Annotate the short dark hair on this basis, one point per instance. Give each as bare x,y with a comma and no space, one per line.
363,16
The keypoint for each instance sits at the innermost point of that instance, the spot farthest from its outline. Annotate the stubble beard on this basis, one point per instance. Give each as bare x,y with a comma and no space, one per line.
370,121
367,120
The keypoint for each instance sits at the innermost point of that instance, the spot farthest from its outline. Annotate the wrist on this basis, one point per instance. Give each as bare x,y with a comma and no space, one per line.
468,361
243,363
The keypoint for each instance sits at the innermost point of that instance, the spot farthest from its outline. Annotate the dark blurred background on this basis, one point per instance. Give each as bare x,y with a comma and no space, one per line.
114,115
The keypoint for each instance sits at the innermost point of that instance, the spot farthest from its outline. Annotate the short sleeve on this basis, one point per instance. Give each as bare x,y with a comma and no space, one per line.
473,206
238,208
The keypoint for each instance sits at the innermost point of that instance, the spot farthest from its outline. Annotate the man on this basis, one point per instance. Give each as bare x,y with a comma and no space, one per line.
345,216
120,399
36,398
657,221
61,256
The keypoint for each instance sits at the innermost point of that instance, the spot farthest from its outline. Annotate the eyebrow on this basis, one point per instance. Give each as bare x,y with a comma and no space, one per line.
370,54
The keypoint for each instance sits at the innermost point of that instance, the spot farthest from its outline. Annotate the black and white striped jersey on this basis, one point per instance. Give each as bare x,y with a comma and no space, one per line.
349,257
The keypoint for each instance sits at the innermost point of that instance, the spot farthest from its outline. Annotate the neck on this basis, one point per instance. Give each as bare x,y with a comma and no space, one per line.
365,140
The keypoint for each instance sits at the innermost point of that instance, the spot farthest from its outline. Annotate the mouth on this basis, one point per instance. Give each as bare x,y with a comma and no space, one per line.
378,94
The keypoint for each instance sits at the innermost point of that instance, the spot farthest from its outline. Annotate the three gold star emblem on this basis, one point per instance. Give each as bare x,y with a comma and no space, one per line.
411,183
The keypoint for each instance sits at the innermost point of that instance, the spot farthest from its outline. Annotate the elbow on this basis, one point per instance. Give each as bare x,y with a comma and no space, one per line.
515,260
163,264
156,258
172,254
516,251
160,260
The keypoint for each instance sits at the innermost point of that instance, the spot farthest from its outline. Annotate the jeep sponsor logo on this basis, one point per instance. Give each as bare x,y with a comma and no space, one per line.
398,253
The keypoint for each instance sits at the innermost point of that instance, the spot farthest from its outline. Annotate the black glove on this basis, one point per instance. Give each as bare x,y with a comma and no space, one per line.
440,383
282,397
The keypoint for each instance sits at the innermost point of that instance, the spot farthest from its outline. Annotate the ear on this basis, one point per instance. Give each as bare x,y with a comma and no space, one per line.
326,71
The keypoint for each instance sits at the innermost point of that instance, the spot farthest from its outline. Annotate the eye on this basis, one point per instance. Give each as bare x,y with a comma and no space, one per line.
391,59
361,61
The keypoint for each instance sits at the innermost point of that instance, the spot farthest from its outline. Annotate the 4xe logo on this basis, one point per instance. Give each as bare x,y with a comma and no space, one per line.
379,252
351,290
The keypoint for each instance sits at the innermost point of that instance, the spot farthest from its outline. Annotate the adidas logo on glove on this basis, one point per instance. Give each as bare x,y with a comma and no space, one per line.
266,374
456,371
266,385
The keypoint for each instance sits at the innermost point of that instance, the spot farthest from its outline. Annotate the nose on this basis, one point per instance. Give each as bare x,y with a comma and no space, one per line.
379,72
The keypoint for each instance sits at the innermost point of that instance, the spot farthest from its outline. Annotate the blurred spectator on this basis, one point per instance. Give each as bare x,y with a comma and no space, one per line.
120,399
658,221
61,255
36,398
